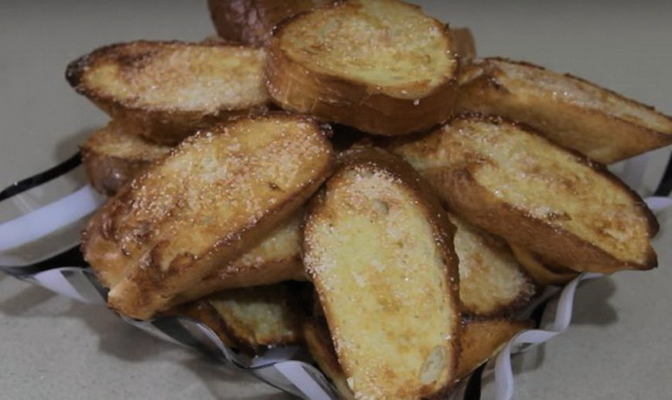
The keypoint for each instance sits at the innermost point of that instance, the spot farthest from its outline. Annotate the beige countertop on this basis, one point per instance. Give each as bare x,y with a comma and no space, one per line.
619,346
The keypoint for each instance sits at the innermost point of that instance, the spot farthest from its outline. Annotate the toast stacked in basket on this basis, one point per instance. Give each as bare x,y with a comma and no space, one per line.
349,176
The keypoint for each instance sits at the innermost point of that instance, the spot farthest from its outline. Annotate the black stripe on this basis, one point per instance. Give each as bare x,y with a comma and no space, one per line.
538,313
665,187
473,389
43,177
69,258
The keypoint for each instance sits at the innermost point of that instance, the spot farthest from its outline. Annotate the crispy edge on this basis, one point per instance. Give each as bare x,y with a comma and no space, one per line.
443,228
355,103
467,198
280,271
483,338
109,173
465,45
157,124
133,295
620,139
321,348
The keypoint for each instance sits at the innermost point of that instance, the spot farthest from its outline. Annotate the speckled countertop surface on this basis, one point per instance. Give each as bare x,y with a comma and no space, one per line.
619,347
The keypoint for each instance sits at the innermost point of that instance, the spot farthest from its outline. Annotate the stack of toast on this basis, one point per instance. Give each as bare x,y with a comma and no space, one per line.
349,176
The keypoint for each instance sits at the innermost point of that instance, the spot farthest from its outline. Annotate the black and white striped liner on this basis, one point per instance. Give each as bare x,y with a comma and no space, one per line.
42,216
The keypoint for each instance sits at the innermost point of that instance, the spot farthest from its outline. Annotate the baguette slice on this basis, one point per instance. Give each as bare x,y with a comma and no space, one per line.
166,91
542,273
511,182
482,339
379,250
249,319
251,22
209,201
381,66
113,158
572,112
491,281
259,317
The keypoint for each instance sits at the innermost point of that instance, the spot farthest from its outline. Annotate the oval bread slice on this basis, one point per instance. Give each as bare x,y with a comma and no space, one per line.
572,112
491,281
249,319
381,66
113,158
514,183
379,251
259,317
166,91
209,201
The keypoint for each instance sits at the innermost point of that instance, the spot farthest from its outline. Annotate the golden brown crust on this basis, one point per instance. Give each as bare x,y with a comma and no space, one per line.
602,124
275,259
465,45
541,272
483,338
108,76
457,185
213,198
113,158
251,22
322,214
370,107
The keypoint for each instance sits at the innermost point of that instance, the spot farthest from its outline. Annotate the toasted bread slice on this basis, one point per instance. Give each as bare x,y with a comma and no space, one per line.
514,183
251,22
112,157
209,201
491,281
165,91
249,319
259,317
379,250
572,112
277,258
381,66
318,340
540,271
483,338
